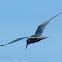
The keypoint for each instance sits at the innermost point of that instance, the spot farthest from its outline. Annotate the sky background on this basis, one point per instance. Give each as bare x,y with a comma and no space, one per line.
19,18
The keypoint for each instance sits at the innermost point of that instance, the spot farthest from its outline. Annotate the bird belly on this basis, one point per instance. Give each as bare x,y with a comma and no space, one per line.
34,40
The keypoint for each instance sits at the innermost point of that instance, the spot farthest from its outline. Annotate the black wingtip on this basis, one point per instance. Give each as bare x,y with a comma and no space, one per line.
1,45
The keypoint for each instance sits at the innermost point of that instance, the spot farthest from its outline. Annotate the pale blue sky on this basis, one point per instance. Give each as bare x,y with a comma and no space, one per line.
19,18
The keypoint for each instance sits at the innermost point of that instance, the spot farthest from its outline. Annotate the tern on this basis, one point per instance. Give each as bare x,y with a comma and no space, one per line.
38,34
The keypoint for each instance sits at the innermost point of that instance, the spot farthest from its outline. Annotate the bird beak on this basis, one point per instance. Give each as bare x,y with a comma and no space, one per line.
26,47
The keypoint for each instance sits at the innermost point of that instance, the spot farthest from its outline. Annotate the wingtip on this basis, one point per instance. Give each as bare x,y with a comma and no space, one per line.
60,12
1,45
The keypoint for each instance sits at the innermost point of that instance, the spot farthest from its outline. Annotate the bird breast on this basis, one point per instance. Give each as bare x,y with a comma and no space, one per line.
33,40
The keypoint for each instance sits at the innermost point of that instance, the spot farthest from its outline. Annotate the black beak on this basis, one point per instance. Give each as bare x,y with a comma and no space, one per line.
26,46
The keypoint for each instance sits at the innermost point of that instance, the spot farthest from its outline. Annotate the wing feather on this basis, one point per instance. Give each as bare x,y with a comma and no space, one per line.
18,40
42,26
14,41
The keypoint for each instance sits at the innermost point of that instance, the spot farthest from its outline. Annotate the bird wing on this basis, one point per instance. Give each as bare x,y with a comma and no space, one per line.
15,41
19,39
42,26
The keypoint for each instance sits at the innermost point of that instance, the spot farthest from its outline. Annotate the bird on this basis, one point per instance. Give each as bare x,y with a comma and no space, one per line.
38,34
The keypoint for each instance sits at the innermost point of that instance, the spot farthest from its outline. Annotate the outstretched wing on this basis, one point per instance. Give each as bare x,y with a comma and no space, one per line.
42,26
15,41
18,40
